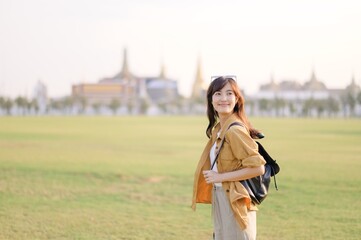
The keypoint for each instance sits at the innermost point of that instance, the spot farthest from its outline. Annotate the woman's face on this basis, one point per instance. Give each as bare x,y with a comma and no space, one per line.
224,100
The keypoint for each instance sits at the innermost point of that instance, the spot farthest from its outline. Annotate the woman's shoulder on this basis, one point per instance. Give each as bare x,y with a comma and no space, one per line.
237,128
239,134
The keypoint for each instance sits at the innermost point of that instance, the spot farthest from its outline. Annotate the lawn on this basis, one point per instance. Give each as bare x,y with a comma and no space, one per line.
131,178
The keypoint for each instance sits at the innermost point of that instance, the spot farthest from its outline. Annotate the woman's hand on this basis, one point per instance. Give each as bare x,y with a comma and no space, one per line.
212,176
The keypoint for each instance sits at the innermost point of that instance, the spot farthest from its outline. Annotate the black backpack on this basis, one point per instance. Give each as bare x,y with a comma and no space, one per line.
257,187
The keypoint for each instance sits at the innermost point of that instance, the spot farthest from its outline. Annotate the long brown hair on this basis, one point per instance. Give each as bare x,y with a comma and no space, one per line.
217,85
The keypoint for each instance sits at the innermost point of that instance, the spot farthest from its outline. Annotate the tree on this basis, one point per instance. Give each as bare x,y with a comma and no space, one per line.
308,105
68,103
291,107
82,103
332,106
358,97
279,103
130,106
28,106
2,102
114,105
162,106
263,105
34,105
55,104
8,105
144,105
350,100
321,106
21,103
96,106
250,103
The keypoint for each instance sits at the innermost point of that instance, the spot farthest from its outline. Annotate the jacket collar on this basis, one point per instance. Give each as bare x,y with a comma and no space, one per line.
231,119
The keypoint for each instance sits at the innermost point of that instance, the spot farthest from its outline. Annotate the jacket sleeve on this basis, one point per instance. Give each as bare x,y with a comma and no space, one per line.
243,147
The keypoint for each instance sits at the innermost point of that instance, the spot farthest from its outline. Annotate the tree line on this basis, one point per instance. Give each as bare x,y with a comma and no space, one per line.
344,105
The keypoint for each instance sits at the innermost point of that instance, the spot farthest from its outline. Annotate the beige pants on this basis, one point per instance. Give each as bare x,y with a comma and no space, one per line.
225,224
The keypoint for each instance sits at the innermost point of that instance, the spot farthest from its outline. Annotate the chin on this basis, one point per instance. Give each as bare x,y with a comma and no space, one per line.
225,112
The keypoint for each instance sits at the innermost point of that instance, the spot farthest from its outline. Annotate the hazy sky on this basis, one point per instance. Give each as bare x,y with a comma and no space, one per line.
64,42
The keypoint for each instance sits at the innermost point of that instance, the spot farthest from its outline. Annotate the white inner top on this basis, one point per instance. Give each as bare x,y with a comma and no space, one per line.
212,156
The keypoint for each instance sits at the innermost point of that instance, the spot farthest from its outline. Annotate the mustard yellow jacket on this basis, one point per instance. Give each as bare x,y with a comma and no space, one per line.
238,151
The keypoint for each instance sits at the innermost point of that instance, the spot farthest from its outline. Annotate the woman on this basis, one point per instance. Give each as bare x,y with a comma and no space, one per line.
234,215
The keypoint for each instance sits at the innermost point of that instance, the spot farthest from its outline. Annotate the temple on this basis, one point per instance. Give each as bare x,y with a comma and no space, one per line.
132,92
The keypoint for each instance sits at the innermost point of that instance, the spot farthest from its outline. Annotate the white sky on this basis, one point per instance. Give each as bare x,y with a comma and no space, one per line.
64,42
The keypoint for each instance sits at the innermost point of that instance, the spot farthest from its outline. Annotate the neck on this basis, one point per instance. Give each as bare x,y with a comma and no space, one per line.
223,118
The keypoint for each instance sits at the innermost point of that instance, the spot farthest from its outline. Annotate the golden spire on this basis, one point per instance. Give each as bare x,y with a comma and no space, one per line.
162,71
125,69
313,75
199,85
199,75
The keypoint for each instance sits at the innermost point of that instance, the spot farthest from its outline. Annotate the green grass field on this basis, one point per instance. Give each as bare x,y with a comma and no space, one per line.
131,178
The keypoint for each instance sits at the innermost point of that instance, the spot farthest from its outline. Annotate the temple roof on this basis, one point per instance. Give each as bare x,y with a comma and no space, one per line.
353,87
272,86
289,85
123,74
314,84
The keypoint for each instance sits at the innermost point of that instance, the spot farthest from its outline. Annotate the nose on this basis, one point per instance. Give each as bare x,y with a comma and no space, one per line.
223,97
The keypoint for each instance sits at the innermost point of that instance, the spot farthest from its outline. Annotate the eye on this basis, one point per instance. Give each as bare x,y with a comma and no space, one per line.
217,94
230,93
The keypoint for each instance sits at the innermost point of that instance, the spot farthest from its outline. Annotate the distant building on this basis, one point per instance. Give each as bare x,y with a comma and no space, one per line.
161,89
123,87
127,93
292,90
41,97
135,94
313,98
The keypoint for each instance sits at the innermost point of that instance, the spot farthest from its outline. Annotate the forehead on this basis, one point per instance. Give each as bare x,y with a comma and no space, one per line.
227,87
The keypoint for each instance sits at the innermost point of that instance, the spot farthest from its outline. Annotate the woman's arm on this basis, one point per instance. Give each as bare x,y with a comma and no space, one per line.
238,175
